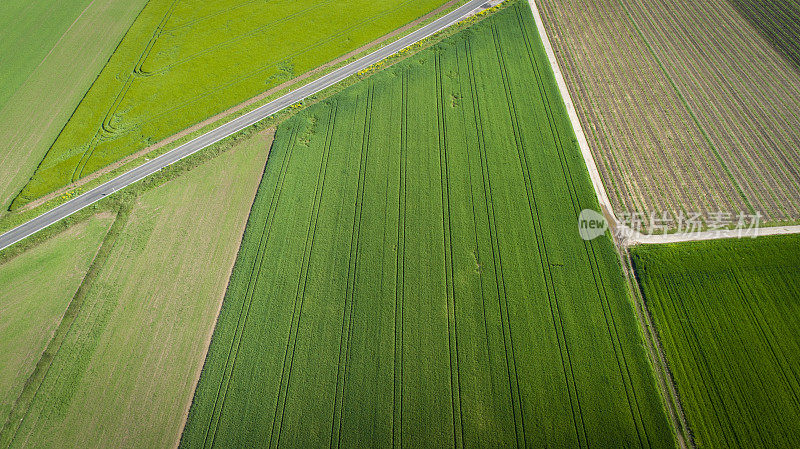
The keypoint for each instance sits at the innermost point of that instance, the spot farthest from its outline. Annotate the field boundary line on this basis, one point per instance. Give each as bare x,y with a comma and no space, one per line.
594,174
449,267
635,237
238,124
270,136
106,125
628,235
653,345
10,429
61,38
660,369
222,390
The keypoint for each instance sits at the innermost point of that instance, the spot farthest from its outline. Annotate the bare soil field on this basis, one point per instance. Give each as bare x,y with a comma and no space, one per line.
687,107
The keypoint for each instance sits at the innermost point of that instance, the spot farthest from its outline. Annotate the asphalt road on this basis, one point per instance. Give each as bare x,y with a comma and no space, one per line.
59,213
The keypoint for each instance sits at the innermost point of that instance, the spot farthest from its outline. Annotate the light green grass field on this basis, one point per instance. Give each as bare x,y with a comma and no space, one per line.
185,60
412,274
727,313
50,53
29,31
37,287
127,368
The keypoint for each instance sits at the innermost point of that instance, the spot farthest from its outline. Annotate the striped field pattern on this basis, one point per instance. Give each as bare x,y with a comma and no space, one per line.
727,314
412,275
686,107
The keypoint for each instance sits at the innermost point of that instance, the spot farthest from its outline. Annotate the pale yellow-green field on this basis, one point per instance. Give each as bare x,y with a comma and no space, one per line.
126,372
51,54
37,287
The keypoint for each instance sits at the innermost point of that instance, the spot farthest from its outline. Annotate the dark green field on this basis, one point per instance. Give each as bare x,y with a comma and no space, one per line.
727,313
412,275
778,21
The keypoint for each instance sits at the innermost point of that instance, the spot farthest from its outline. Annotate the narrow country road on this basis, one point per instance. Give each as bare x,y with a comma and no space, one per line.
638,238
59,213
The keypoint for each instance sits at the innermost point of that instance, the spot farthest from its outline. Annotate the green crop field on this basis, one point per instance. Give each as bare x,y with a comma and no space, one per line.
183,61
50,53
412,275
31,304
727,314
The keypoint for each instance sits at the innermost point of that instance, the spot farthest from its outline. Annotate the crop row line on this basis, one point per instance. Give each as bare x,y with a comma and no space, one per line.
302,282
447,230
397,403
672,86
636,134
477,238
735,134
588,248
497,266
260,69
255,32
544,258
661,195
698,354
624,197
347,313
782,102
742,405
526,176
233,352
300,290
352,272
758,318
627,197
773,20
218,12
723,164
107,125
475,219
234,81
630,58
765,110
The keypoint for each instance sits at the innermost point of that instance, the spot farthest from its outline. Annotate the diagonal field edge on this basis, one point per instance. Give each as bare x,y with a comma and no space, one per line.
84,200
